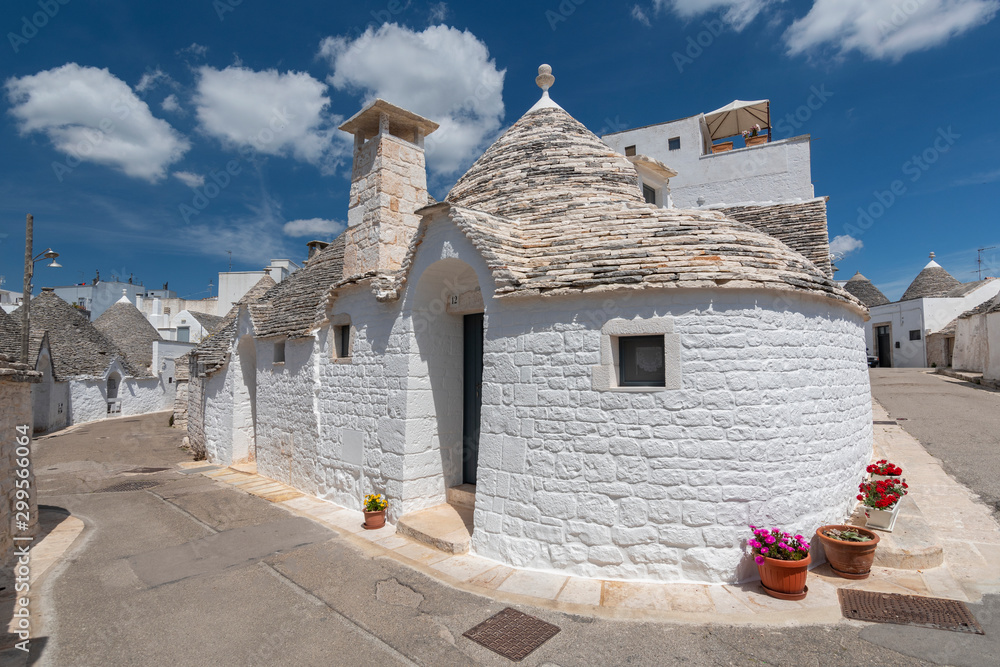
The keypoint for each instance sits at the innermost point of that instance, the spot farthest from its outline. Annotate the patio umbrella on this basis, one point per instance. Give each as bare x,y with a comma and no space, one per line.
737,116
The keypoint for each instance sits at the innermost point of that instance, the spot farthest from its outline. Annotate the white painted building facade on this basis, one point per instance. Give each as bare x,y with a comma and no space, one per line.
762,413
778,171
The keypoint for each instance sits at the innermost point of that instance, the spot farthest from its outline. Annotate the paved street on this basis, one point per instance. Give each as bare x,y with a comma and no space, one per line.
193,572
956,421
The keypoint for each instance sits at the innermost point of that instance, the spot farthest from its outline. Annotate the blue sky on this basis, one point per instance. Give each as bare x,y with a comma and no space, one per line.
116,115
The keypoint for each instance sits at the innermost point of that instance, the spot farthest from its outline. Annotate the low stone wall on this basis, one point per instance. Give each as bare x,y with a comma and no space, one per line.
15,411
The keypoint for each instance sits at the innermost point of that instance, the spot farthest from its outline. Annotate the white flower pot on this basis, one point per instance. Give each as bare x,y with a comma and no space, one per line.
882,519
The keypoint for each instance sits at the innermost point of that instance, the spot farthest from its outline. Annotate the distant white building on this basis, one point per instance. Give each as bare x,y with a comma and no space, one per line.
713,163
234,284
914,331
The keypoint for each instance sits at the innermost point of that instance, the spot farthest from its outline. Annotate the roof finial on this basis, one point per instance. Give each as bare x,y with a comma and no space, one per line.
545,78
932,255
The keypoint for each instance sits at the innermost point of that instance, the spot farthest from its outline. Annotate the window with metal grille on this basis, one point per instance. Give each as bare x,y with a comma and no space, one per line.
674,143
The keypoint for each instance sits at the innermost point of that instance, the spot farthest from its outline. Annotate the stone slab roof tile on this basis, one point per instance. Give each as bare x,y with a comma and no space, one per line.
932,281
211,323
211,353
865,290
78,348
125,326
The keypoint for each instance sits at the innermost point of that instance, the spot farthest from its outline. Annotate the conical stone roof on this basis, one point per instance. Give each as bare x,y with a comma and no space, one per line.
10,335
554,210
932,281
78,349
546,163
128,328
865,290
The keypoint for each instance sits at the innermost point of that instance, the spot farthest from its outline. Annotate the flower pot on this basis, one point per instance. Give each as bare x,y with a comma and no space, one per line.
850,560
756,141
784,579
722,147
374,520
881,519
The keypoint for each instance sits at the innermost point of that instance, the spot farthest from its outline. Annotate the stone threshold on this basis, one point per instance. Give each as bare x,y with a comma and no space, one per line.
968,571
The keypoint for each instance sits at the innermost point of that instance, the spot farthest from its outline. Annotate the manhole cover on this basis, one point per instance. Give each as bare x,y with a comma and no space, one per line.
137,485
908,610
512,634
146,470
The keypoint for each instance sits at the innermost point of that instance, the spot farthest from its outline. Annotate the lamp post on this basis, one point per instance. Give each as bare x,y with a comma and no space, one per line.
29,270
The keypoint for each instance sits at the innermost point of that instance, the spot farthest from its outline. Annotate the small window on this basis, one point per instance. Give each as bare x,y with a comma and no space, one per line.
342,341
183,334
649,194
915,334
279,352
674,143
629,151
641,361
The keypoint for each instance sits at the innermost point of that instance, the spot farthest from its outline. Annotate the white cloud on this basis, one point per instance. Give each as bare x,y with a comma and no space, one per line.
170,103
278,114
93,116
843,245
737,13
441,73
439,12
195,49
190,179
886,29
640,15
314,227
980,178
151,79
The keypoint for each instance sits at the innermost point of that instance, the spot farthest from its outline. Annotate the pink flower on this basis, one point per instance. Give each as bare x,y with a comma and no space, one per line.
770,539
759,559
763,550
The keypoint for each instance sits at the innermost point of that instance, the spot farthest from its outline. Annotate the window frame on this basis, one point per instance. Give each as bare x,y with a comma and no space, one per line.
623,343
278,358
607,375
670,142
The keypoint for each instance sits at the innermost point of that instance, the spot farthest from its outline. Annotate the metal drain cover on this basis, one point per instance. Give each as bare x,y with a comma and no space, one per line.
923,612
146,470
512,634
137,485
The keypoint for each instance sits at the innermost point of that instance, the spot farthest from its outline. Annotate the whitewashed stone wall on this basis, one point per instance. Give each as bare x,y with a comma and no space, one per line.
971,350
992,371
218,416
772,426
15,397
287,443
88,400
49,399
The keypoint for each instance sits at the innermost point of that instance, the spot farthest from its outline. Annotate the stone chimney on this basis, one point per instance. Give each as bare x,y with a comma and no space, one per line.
315,247
388,184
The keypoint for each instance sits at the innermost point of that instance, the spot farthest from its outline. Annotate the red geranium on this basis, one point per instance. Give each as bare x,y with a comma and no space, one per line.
883,467
883,494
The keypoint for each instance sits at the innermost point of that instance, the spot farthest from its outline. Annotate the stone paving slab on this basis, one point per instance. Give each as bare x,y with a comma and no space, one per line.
945,511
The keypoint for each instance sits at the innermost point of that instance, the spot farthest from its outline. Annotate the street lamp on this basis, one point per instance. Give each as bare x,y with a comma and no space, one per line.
29,270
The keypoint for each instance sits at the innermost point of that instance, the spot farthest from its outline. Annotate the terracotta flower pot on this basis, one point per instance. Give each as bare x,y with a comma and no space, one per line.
850,560
374,520
784,579
757,140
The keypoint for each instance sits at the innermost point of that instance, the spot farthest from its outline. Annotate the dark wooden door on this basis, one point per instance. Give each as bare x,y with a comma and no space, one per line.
473,395
884,347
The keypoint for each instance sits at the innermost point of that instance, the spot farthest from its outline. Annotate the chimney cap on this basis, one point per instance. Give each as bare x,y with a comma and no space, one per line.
365,122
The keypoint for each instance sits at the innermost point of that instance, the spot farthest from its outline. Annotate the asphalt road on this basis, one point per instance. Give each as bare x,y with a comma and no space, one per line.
193,572
956,421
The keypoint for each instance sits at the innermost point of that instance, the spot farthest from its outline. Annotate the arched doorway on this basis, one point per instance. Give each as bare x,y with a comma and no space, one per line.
244,364
445,395
114,382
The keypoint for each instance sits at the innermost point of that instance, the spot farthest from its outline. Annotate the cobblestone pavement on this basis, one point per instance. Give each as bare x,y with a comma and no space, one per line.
193,571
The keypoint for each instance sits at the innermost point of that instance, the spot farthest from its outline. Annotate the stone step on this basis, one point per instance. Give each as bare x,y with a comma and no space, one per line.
463,495
911,545
445,527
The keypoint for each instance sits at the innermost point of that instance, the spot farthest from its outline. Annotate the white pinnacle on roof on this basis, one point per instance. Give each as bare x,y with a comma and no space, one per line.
125,298
545,81
932,263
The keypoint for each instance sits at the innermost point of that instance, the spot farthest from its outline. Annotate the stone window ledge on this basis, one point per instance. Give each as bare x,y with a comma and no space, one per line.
605,376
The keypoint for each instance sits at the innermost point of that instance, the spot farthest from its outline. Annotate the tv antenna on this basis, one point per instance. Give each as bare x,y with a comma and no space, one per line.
230,259
979,259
